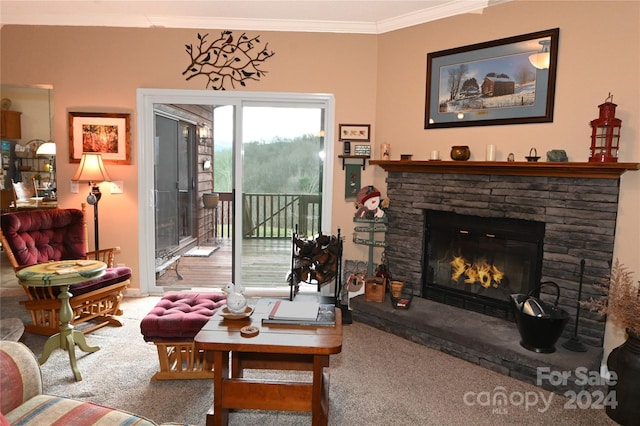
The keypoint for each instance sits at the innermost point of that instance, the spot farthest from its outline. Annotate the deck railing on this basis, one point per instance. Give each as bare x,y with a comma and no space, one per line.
269,215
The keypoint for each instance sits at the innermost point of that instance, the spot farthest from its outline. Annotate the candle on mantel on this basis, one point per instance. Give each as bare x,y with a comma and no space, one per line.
490,154
385,151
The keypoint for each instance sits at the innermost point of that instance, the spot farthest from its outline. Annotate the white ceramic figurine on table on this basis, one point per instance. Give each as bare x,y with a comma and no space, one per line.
236,302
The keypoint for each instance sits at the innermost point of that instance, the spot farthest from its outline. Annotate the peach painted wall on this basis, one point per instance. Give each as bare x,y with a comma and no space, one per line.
375,79
99,69
599,52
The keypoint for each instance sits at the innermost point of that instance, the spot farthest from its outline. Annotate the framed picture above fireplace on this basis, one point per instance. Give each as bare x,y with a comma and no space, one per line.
506,81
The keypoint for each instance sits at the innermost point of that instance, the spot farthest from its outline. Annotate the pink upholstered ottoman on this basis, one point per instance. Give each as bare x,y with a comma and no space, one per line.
171,325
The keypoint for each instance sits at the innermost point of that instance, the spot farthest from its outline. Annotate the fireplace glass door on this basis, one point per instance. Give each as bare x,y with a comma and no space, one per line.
476,263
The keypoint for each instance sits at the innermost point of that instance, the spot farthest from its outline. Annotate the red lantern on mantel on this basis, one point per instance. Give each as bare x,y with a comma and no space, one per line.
605,134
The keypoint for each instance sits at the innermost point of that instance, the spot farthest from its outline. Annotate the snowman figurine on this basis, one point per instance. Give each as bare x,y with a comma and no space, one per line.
369,203
236,302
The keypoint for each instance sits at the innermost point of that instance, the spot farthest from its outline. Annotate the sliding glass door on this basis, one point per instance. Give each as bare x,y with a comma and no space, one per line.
173,175
282,169
281,151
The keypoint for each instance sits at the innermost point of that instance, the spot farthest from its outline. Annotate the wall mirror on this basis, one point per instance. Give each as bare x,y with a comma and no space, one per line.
27,117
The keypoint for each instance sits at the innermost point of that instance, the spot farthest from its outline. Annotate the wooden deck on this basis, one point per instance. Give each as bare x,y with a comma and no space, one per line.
266,263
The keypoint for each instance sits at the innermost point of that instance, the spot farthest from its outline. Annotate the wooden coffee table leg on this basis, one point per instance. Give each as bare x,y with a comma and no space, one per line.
220,415
320,392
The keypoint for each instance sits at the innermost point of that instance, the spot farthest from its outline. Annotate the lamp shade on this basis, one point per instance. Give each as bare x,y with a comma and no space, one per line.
91,169
47,148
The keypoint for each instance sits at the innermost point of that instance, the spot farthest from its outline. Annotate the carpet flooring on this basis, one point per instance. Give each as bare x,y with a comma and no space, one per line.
377,379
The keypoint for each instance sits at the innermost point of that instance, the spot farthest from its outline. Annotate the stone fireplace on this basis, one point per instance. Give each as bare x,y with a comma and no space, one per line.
576,203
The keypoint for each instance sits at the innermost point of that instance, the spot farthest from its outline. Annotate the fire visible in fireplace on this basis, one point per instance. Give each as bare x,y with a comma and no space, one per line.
482,273
476,263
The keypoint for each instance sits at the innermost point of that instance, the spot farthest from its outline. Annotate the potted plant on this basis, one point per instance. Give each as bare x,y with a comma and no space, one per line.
621,303
210,200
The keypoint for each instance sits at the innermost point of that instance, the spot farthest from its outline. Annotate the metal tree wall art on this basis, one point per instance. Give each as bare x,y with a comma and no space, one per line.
227,60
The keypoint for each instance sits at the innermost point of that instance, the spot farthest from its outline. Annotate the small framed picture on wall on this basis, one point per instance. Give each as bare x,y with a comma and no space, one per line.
355,132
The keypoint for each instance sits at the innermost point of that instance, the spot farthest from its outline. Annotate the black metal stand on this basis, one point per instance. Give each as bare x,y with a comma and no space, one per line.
336,300
93,198
574,344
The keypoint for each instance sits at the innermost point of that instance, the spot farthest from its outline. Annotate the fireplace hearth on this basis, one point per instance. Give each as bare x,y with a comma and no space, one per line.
476,263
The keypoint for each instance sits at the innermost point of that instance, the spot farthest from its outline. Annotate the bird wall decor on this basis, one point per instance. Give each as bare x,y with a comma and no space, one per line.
228,60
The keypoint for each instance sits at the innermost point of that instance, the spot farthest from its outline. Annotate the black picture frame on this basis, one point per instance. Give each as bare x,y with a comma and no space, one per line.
461,83
355,132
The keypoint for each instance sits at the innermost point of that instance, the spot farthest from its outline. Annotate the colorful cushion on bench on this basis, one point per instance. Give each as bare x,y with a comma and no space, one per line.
180,316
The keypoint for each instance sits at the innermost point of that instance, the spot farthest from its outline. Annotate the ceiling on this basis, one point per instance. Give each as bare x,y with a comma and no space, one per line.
339,16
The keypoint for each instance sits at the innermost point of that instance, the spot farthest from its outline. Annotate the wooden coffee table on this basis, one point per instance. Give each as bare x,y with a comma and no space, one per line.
276,347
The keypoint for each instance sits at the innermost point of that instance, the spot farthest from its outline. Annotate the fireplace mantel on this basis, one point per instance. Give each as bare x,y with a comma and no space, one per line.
573,170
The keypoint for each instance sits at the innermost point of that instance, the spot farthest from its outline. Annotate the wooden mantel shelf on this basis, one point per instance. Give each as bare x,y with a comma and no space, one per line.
523,168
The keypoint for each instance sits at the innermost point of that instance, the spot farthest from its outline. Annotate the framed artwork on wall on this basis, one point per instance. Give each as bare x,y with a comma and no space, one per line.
355,132
506,81
106,133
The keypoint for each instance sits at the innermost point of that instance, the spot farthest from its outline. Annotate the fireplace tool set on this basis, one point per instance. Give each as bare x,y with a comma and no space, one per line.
574,343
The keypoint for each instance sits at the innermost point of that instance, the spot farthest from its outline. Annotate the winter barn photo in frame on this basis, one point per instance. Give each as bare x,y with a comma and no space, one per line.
506,81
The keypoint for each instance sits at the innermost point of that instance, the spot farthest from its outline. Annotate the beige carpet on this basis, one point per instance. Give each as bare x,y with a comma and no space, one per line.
378,379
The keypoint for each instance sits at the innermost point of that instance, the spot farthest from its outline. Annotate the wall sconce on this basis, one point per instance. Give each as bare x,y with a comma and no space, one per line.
204,132
92,170
541,59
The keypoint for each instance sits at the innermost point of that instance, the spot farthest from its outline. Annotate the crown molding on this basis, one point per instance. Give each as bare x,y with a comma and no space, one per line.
440,10
434,13
265,24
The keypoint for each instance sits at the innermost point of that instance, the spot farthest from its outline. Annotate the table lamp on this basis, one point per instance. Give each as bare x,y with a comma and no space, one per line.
92,170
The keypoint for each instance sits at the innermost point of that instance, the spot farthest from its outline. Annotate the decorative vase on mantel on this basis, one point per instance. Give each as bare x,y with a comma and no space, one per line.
460,153
625,361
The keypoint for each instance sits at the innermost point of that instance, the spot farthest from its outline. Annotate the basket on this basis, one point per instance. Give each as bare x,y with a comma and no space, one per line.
396,288
374,289
540,323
